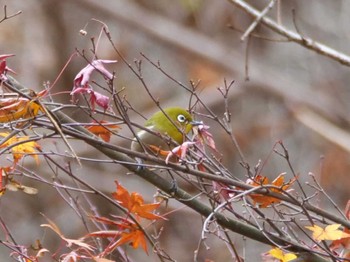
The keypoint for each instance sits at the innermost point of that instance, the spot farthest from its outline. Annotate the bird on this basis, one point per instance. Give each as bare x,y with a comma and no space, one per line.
173,122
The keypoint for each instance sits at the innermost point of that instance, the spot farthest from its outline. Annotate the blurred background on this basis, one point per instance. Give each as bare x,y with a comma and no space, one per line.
281,92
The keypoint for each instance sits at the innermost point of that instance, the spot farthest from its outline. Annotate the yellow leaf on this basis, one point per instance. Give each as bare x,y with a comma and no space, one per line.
22,148
330,232
15,108
283,257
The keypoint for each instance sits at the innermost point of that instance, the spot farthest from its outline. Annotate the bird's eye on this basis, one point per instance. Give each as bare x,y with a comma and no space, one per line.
181,118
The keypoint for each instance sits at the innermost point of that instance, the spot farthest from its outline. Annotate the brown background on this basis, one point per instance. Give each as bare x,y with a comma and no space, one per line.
192,41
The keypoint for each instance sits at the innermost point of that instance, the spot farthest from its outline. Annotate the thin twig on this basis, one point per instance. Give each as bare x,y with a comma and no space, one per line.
258,19
307,42
9,16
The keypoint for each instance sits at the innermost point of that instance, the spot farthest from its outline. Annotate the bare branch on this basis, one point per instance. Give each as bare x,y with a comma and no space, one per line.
292,36
258,19
6,16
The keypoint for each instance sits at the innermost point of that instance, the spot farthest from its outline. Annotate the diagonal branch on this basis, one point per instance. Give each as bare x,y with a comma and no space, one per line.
258,19
292,36
120,155
123,156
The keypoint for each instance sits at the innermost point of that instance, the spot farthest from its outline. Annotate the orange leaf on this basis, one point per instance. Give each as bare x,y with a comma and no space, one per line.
178,152
120,222
2,183
22,147
136,239
134,203
4,178
159,151
144,210
263,200
15,107
330,232
102,129
344,242
122,196
128,233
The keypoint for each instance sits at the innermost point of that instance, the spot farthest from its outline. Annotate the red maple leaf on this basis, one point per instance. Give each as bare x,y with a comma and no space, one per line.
134,203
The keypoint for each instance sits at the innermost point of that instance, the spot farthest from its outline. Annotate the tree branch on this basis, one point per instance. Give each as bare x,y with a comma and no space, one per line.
307,42
120,154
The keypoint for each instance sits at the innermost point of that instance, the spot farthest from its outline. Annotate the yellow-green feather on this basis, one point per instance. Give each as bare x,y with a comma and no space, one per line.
161,123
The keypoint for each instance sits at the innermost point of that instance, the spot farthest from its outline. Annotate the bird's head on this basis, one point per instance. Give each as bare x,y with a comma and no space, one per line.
175,122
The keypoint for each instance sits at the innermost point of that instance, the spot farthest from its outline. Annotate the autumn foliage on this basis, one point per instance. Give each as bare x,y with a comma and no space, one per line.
42,149
123,230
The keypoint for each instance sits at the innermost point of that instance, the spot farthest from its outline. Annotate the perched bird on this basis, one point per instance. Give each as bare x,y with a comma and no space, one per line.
176,124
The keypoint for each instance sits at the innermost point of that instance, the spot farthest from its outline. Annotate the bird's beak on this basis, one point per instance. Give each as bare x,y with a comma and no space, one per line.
196,123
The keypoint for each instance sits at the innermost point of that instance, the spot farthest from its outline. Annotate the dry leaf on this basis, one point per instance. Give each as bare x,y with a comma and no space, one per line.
263,200
128,232
136,239
281,255
135,204
70,242
343,242
330,232
22,147
102,129
13,107
13,185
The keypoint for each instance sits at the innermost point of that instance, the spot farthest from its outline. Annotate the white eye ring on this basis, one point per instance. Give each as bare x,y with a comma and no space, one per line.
181,118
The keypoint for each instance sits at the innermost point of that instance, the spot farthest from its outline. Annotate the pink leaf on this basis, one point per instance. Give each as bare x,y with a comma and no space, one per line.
179,151
3,67
81,90
2,57
81,82
78,81
99,99
98,64
83,77
223,191
207,136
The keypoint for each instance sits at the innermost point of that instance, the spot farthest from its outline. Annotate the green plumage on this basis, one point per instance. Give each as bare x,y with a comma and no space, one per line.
177,128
